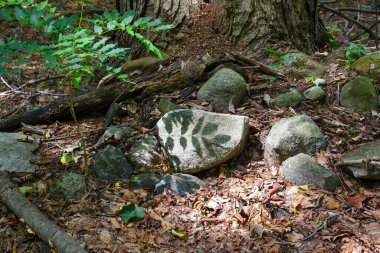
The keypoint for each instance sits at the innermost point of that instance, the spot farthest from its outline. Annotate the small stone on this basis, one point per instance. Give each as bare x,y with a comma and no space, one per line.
365,151
290,99
315,93
69,186
165,105
145,181
115,133
145,153
319,82
224,86
111,164
360,94
291,136
303,169
180,184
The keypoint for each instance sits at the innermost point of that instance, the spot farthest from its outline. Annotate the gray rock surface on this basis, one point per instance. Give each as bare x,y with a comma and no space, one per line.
111,164
15,155
360,94
145,181
315,93
303,169
196,140
69,186
224,86
115,133
363,65
165,105
291,136
365,151
180,184
145,153
292,98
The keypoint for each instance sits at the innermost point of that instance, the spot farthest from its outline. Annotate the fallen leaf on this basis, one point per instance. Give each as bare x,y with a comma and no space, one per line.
357,200
332,204
178,233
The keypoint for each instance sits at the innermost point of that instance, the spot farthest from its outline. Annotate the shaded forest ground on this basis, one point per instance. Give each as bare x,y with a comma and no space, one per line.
219,218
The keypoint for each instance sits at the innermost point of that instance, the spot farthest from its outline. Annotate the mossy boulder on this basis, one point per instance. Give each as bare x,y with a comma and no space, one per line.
69,186
306,66
360,94
224,86
165,105
315,93
292,98
368,65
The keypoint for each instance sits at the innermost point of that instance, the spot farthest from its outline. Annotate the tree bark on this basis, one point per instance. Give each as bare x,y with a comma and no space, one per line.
256,24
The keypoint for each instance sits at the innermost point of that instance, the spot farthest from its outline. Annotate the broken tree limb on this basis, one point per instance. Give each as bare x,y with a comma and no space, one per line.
375,161
44,228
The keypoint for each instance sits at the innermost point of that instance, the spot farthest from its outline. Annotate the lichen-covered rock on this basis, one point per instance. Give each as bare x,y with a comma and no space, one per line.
360,94
365,151
111,164
145,181
180,184
292,136
306,66
224,86
196,140
315,93
165,105
145,153
303,169
15,155
292,98
115,133
69,186
363,65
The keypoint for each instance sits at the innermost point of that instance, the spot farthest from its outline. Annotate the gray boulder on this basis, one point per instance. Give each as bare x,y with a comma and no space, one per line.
292,98
224,86
368,150
111,164
115,133
69,186
15,155
291,136
303,169
360,94
315,93
196,140
145,181
145,153
363,65
180,184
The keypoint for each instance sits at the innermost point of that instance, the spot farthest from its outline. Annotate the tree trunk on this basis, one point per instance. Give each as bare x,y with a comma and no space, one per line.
260,24
257,24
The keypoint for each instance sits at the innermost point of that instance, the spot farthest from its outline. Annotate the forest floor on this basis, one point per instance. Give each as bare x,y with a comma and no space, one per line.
246,206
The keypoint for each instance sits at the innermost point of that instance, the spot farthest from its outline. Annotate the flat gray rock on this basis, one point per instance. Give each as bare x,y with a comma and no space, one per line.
360,94
180,184
69,186
292,98
291,136
111,164
145,153
315,93
303,169
114,133
196,140
224,86
365,151
15,155
145,181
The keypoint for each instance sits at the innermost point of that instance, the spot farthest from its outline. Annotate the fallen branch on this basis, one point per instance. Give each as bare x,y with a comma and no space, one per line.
370,161
44,228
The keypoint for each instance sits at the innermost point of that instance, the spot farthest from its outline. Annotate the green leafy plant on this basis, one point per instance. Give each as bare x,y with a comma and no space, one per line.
131,212
281,60
354,51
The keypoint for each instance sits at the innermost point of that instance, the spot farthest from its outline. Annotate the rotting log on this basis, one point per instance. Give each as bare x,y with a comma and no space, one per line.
44,228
